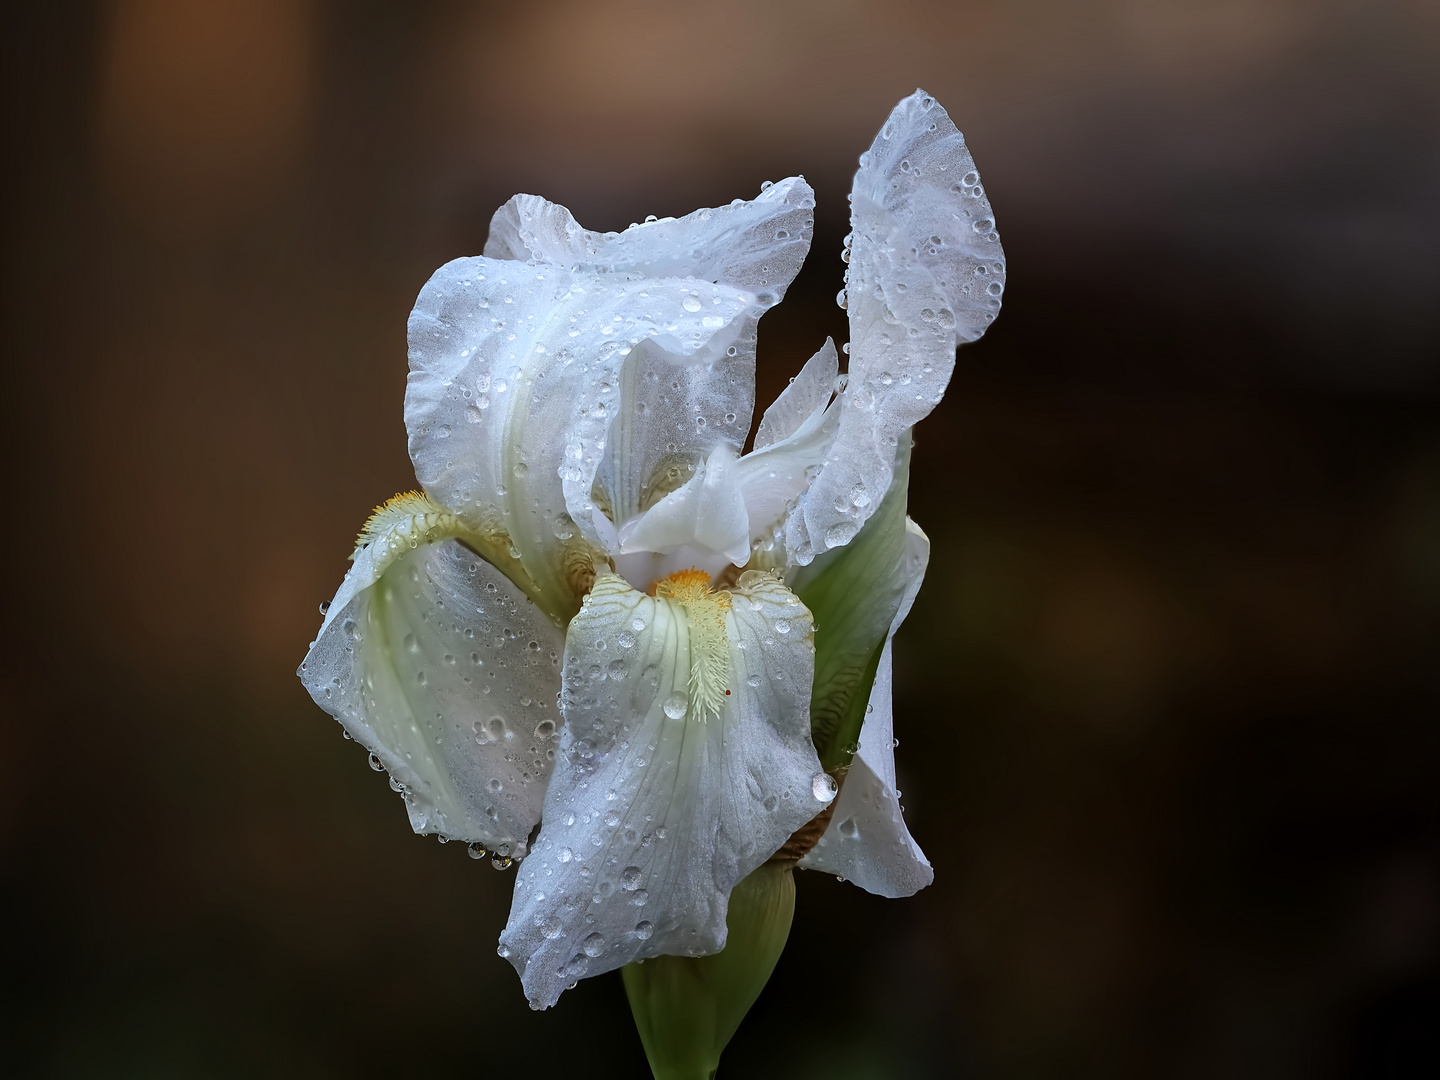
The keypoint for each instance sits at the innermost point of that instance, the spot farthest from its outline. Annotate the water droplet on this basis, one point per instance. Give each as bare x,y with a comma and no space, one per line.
375,764
822,786
842,300
565,854
849,829
476,851
691,303
644,929
324,606
494,786
630,878
593,945
676,706
982,225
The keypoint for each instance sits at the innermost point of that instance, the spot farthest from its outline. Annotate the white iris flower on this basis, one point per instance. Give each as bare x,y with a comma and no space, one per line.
588,624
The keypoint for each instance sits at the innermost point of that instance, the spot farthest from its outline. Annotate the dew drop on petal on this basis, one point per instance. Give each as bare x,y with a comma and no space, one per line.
822,786
676,706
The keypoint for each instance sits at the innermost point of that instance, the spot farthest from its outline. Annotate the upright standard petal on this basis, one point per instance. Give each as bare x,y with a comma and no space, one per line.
867,841
809,392
674,413
440,666
685,763
756,245
514,380
926,270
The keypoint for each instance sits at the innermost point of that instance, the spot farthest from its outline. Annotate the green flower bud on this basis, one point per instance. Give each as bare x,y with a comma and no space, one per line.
688,1007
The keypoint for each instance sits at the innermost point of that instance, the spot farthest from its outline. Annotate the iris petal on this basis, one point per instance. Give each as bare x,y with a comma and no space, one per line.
447,673
926,270
564,353
655,810
513,385
809,391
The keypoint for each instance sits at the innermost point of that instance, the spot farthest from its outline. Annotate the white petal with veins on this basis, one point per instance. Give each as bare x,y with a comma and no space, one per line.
513,384
672,408
653,813
926,269
447,673
807,392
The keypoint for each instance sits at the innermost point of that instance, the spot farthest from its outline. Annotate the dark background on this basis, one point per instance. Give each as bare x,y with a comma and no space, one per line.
1167,703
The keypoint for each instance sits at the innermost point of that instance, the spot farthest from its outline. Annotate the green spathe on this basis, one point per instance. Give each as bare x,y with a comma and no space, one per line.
687,1008
854,593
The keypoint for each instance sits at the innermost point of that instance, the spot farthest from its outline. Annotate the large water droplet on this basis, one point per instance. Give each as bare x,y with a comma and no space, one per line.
644,929
676,706
822,786
593,945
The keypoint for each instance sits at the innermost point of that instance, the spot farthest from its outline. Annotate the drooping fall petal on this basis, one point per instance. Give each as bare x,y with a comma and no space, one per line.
684,764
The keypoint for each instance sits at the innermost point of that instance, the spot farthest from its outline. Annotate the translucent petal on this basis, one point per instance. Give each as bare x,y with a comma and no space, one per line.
926,269
652,815
867,841
514,380
443,669
756,245
808,391
772,477
676,413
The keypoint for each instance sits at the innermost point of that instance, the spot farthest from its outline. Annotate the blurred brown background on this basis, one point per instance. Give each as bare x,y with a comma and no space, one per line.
1167,704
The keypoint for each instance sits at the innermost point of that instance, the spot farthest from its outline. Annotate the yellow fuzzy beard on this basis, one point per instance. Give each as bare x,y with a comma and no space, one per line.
705,611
